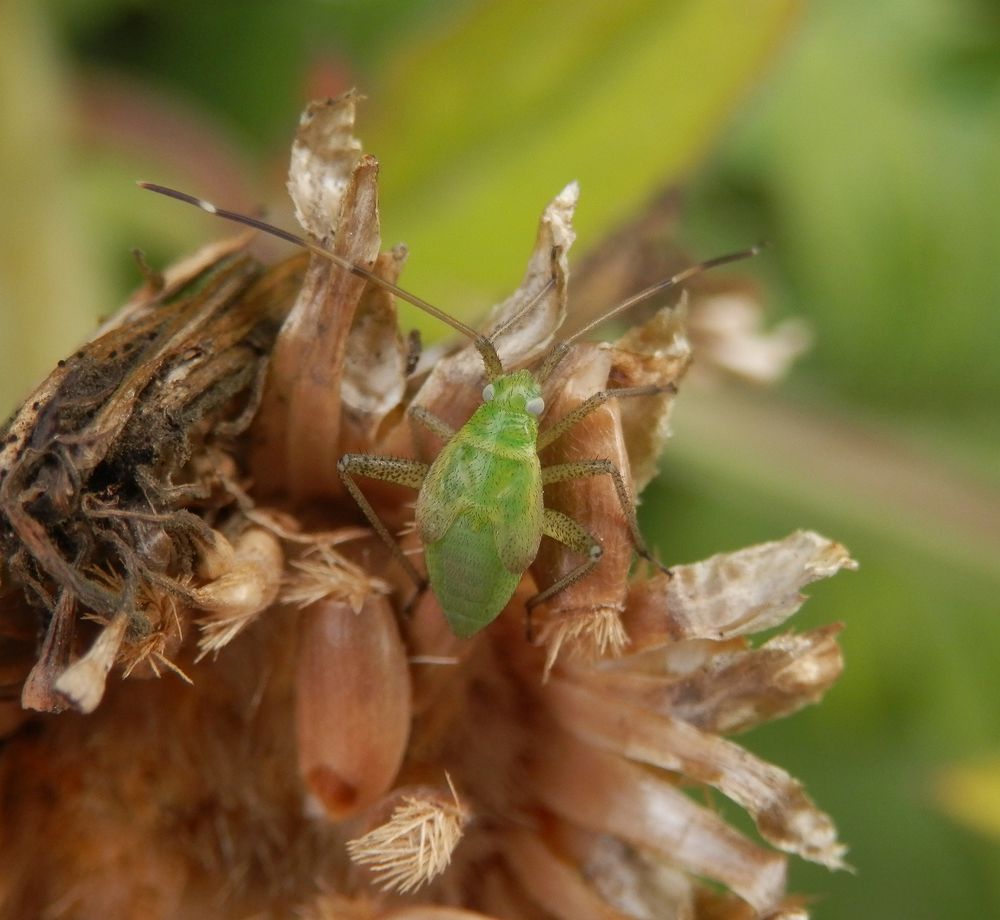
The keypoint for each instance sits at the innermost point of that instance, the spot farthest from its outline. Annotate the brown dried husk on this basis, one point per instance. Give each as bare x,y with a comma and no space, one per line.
342,711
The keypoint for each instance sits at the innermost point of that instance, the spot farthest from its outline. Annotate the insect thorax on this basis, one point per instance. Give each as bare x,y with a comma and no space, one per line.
504,418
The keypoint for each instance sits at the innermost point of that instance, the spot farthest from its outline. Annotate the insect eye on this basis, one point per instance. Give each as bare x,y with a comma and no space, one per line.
487,392
535,406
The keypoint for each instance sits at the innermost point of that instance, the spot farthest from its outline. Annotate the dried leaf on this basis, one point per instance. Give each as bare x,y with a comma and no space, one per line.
101,465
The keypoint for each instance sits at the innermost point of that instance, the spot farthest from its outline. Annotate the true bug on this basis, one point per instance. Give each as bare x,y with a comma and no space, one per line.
479,512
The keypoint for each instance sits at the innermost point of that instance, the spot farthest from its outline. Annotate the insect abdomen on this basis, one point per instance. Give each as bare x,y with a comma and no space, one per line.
469,580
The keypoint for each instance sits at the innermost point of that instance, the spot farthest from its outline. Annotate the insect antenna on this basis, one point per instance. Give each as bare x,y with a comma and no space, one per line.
524,311
559,351
483,345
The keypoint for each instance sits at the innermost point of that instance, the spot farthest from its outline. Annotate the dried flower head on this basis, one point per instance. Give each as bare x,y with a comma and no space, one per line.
170,497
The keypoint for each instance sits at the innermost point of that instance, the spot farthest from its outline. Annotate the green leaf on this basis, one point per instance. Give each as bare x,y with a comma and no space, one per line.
970,793
481,127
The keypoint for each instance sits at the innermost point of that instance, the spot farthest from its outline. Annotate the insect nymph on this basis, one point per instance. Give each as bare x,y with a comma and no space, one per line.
480,512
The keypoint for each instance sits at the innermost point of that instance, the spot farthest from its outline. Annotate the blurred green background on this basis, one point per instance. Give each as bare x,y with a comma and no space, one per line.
862,139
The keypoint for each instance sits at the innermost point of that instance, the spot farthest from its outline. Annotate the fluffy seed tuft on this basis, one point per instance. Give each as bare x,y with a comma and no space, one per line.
414,845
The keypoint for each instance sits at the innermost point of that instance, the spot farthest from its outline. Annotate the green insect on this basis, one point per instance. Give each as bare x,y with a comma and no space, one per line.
480,512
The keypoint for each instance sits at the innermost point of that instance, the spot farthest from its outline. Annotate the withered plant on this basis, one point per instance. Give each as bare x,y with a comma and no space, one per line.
318,744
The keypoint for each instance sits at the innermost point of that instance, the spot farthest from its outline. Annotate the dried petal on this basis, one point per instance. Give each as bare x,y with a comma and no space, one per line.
657,352
731,594
726,330
724,686
556,883
785,816
636,881
612,796
39,690
323,158
82,683
593,503
297,429
244,587
374,377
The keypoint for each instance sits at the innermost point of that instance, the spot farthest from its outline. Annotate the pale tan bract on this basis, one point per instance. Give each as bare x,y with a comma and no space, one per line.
340,754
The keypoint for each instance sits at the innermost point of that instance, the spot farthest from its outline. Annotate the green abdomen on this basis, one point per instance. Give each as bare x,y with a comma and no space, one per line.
469,580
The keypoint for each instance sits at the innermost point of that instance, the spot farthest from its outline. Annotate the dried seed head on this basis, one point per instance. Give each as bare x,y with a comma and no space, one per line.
574,782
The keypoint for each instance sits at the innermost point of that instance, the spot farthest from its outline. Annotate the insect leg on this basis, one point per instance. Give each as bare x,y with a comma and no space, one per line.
431,422
387,469
581,468
563,528
564,424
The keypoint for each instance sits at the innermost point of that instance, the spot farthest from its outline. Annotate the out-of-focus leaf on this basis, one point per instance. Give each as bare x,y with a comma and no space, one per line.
479,126
877,164
970,793
45,269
